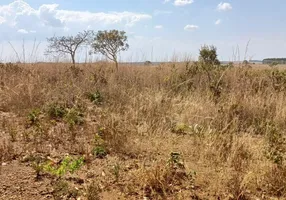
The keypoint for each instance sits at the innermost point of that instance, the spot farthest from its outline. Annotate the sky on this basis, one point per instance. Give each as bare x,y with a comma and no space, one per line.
157,30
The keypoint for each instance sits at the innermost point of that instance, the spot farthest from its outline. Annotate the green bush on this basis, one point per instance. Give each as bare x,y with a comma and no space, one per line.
68,164
95,97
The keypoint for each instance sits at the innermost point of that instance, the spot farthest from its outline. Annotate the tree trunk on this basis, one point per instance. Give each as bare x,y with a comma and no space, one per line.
116,65
73,59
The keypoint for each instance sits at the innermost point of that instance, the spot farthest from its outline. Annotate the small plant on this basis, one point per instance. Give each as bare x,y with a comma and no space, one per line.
39,168
56,111
62,190
34,117
95,97
116,171
100,147
74,117
175,160
93,191
13,134
100,152
164,180
68,164
180,128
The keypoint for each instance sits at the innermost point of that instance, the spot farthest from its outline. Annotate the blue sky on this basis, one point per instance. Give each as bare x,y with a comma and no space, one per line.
174,29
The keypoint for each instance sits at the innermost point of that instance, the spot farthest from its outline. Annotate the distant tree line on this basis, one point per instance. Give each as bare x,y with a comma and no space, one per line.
274,60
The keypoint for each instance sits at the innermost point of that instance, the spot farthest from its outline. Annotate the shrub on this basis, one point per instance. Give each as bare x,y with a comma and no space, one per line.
74,116
56,111
164,180
34,117
95,97
100,152
68,164
93,191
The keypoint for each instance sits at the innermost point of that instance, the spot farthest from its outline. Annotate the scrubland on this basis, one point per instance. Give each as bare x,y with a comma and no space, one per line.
170,131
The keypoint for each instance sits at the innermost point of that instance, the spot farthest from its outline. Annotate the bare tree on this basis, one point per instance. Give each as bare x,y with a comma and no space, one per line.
110,43
68,44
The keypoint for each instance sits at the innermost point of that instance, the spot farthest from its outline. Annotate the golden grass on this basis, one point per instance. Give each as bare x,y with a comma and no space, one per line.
231,143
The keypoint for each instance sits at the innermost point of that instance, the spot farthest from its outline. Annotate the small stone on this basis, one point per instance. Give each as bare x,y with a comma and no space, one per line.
4,164
103,173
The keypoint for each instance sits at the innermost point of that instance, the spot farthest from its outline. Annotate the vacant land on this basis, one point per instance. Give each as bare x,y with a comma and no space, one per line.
172,131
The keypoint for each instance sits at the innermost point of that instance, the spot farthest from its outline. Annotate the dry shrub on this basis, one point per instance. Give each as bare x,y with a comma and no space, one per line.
274,181
117,136
7,151
162,181
93,191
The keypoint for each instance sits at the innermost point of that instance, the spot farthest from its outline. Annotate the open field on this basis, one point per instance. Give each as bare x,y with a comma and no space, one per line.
171,131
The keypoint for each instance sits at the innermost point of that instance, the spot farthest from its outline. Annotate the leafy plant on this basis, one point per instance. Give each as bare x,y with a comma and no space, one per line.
175,160
68,164
100,147
38,167
56,111
180,128
95,97
74,116
100,152
34,117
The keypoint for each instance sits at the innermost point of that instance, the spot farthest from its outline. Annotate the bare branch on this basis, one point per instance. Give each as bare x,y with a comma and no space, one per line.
68,44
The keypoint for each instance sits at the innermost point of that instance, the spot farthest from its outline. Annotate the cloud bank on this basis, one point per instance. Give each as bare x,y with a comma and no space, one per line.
22,18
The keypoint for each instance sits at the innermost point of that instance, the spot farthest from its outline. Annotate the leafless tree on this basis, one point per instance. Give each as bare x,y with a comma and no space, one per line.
68,44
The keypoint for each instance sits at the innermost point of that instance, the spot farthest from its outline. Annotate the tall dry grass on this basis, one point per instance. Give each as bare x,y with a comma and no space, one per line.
231,138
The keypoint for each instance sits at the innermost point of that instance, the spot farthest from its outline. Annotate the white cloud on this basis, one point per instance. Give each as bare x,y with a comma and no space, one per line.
224,6
166,1
217,22
23,31
20,15
162,12
158,27
183,2
127,18
2,20
191,27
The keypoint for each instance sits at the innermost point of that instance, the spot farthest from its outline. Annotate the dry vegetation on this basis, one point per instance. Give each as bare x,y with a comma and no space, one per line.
174,131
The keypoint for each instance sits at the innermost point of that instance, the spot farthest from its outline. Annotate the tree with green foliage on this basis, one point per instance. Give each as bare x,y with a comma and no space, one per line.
110,43
208,55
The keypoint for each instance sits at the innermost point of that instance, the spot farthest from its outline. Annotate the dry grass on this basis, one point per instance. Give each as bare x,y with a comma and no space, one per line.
231,136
